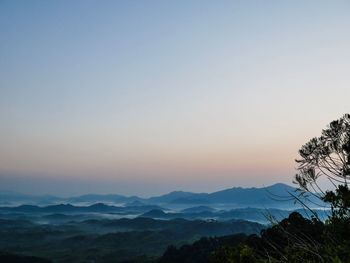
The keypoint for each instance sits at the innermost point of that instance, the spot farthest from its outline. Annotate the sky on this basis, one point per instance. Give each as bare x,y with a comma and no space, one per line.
146,97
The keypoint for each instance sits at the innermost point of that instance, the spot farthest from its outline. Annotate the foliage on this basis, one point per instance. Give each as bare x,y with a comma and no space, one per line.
11,258
110,240
200,251
328,156
237,254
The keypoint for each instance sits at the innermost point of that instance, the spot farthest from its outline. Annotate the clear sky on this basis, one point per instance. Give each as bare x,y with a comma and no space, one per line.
144,97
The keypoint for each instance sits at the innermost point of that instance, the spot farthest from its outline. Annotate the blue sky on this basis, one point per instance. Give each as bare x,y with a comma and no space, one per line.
142,97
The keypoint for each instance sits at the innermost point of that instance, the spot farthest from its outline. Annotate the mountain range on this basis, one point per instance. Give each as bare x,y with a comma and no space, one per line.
274,196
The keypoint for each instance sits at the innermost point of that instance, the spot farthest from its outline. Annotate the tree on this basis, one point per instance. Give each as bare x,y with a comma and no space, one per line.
328,156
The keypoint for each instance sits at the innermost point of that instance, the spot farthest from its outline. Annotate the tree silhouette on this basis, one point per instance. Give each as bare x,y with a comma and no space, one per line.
328,156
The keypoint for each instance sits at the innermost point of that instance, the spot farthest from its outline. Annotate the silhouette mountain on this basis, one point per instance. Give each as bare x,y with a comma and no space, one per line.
277,195
175,195
274,196
155,213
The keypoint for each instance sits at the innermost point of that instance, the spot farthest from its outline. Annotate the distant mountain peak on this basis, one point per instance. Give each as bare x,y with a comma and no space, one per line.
154,213
280,185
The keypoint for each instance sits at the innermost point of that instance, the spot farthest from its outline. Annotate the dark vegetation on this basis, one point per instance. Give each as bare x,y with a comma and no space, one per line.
287,241
11,258
110,240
